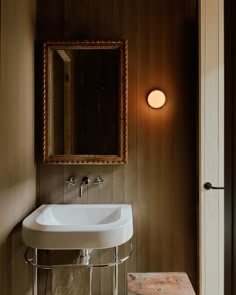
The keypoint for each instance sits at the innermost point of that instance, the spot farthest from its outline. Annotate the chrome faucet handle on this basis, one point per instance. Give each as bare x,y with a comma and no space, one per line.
71,181
98,180
85,180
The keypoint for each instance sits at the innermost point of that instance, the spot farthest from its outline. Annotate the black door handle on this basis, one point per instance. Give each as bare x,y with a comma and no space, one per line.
209,186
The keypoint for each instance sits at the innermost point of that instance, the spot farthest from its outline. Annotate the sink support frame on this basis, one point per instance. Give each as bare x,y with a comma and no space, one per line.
33,261
35,273
115,273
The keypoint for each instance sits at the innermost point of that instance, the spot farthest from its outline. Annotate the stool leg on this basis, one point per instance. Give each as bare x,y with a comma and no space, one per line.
115,274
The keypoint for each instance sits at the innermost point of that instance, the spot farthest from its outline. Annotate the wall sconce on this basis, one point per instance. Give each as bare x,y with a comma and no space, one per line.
156,99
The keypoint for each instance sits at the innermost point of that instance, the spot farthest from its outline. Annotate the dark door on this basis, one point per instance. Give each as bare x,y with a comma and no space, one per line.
230,147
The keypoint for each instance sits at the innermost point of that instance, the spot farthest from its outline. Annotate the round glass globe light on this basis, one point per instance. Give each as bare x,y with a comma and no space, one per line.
156,99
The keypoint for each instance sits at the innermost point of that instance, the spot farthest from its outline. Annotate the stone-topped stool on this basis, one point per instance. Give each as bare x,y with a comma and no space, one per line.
168,283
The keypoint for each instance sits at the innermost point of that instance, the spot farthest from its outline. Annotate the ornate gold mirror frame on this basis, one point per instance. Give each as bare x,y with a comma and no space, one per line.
102,67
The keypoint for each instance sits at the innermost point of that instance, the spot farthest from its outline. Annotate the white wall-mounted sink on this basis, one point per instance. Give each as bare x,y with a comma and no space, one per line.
93,226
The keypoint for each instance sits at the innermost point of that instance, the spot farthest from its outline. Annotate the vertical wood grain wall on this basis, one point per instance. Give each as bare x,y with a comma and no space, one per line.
160,177
17,161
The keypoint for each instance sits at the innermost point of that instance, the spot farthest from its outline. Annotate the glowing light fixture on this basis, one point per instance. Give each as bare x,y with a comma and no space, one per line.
156,99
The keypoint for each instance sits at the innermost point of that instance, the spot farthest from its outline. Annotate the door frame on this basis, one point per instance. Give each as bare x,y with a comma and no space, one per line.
211,147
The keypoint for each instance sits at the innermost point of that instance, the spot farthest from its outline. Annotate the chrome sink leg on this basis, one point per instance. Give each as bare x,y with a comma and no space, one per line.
84,257
115,273
35,273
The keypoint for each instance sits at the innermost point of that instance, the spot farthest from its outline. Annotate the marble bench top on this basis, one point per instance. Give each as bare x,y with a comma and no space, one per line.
169,283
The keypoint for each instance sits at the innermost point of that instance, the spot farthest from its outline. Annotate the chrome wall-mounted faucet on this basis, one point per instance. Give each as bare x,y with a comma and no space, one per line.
72,181
85,181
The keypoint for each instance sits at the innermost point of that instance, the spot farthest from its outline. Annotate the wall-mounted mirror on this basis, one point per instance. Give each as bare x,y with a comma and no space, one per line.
85,102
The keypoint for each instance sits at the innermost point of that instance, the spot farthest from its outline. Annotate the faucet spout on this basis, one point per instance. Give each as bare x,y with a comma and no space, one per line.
85,181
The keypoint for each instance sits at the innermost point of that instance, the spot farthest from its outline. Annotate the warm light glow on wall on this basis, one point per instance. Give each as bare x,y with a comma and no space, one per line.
156,99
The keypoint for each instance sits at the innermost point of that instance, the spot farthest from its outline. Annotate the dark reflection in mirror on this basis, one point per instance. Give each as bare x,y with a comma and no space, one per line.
85,102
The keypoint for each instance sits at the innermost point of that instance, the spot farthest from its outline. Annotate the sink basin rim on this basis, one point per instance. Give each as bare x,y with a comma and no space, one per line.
31,221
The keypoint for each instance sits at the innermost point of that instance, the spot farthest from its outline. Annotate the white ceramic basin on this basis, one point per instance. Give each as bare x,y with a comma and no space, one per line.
92,226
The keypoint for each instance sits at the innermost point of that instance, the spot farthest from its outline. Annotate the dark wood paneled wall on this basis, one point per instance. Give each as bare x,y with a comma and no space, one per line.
161,175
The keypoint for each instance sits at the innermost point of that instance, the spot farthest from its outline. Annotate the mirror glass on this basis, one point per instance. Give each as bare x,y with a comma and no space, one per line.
85,102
